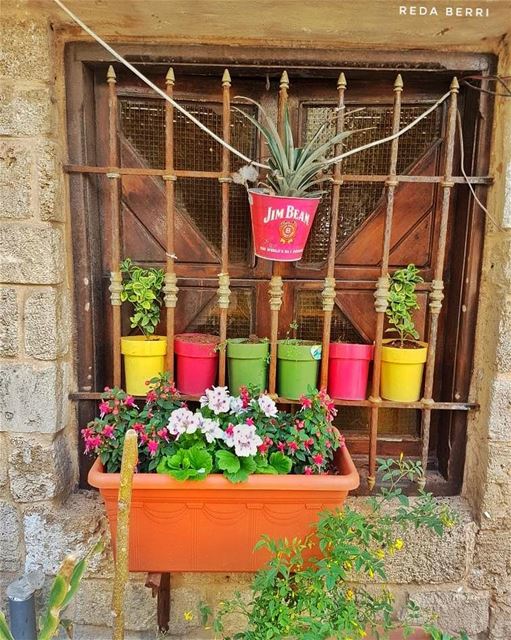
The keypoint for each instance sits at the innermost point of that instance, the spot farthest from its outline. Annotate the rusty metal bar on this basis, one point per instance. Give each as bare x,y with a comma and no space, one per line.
115,287
170,289
347,177
328,293
276,288
384,404
224,292
436,296
382,288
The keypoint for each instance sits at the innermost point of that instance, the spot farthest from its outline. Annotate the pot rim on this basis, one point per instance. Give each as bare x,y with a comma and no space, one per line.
351,351
247,350
260,192
404,356
348,481
140,346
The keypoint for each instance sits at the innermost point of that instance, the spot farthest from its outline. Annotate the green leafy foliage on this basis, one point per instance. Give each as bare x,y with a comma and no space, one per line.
314,589
402,300
194,463
143,288
294,171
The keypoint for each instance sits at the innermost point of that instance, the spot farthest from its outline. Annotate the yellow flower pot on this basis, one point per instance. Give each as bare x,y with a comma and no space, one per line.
143,359
401,372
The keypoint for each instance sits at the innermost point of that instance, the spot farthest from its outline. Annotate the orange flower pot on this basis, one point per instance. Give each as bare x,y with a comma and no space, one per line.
212,525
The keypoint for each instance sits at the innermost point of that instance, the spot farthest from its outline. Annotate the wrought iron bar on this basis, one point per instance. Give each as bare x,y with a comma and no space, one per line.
276,289
171,288
114,177
382,288
328,293
436,296
224,293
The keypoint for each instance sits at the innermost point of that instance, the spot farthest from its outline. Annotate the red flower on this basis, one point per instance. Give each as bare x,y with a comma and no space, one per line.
328,444
152,445
292,446
129,401
262,448
138,427
318,459
230,429
250,421
163,433
305,402
143,437
104,408
281,446
308,443
299,424
307,471
245,397
108,431
151,396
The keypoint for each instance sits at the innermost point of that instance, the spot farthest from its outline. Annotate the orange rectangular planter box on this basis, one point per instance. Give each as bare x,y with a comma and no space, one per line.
212,525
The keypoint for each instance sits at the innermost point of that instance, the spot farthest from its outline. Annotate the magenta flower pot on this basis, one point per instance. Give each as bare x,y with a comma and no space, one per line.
348,370
280,225
196,362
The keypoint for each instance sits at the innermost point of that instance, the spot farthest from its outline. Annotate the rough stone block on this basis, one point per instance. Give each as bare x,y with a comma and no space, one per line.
49,177
45,328
88,632
31,255
25,51
40,470
4,455
93,607
499,425
491,567
9,325
10,537
504,343
33,399
25,111
15,181
458,610
52,531
496,503
500,622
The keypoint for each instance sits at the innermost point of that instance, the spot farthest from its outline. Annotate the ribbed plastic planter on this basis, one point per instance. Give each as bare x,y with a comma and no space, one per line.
247,364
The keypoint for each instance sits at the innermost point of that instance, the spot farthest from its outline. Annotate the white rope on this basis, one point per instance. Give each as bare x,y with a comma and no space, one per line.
202,126
161,93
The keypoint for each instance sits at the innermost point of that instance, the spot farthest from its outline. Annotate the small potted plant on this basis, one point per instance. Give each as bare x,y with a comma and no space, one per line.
283,209
247,363
403,357
348,370
297,366
196,362
143,354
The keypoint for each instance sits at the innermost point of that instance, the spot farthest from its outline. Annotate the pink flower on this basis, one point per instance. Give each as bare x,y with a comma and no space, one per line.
129,401
104,408
292,446
152,445
262,448
299,424
342,442
308,443
115,411
144,437
305,402
281,446
250,421
307,471
318,459
230,430
328,444
163,433
151,396
108,431
138,427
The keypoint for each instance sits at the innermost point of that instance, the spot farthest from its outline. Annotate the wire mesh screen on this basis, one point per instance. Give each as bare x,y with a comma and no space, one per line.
142,122
239,320
309,316
359,200
391,422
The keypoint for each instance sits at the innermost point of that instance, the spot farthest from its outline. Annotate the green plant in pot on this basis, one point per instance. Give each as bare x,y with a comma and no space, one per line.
403,357
297,365
247,363
144,355
283,208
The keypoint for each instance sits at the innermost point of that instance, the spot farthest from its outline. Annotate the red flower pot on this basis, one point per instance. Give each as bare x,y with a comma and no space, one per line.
213,524
196,362
348,370
280,225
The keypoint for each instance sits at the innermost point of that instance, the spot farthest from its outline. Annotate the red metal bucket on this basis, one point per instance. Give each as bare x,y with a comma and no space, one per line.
280,225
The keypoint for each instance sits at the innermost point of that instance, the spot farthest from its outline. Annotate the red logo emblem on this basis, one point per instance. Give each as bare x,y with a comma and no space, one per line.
287,231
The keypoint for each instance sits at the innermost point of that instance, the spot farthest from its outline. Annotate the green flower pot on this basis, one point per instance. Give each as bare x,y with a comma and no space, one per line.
247,364
297,368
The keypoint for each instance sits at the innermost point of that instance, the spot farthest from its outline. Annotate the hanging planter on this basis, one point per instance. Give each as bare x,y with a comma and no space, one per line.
196,362
144,355
283,210
247,363
297,367
348,370
403,359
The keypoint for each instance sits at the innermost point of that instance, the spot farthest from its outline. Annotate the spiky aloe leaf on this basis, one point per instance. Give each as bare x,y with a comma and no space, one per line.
5,634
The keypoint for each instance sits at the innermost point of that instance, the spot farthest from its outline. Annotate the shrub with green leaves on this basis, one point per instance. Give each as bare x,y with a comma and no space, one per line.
402,300
143,288
315,589
294,171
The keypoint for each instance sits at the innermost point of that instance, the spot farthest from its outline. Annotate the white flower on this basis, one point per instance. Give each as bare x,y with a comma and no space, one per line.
236,404
184,421
218,400
211,430
203,401
245,440
267,406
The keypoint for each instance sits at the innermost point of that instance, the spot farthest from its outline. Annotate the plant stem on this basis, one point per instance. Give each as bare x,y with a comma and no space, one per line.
129,461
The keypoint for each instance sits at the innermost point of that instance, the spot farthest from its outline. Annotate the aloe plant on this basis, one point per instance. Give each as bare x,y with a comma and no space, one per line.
294,171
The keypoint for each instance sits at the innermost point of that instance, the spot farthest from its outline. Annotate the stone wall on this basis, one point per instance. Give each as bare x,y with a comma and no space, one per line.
465,577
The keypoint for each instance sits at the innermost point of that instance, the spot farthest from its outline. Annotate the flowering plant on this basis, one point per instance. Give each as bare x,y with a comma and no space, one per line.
232,435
